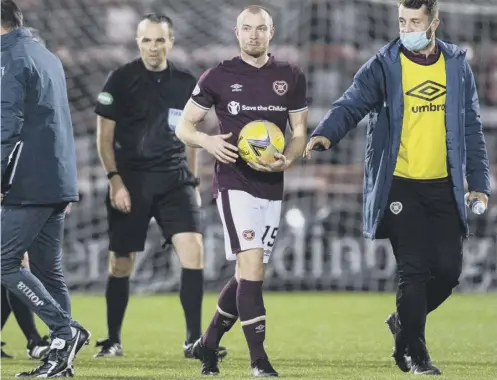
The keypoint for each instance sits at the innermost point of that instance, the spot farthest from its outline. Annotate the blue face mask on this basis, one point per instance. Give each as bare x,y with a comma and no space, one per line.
415,41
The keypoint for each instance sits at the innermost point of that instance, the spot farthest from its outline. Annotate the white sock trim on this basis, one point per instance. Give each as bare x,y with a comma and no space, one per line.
227,315
253,320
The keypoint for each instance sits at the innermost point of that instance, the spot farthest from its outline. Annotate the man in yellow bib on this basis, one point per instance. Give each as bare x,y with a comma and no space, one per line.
424,137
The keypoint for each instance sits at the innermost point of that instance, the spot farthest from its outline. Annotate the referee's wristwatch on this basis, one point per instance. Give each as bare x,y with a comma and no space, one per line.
112,174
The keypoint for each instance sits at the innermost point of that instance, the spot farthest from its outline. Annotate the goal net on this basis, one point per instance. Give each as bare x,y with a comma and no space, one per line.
320,244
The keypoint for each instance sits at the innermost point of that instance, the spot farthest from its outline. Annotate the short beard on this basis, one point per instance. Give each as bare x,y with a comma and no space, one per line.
256,54
430,35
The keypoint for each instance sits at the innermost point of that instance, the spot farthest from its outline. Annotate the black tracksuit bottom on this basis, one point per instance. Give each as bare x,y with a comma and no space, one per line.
426,233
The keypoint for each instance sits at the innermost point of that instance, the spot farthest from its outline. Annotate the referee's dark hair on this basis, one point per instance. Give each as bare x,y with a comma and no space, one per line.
160,18
11,15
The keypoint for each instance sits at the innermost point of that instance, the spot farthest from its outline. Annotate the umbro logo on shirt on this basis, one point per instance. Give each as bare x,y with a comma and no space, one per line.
428,91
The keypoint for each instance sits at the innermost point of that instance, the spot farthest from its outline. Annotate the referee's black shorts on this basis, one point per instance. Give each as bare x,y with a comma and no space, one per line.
168,197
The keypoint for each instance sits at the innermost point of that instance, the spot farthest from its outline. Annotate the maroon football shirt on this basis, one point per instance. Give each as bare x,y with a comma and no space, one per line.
241,93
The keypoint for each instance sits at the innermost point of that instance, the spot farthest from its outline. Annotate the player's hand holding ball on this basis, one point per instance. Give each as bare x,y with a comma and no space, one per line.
279,164
222,150
261,144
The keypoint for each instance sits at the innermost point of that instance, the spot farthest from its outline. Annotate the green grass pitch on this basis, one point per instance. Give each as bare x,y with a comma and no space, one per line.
339,336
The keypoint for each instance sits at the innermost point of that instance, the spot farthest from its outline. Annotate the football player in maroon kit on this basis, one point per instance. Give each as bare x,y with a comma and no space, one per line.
251,86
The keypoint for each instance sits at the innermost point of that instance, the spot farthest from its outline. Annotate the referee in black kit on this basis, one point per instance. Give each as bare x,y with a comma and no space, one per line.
150,173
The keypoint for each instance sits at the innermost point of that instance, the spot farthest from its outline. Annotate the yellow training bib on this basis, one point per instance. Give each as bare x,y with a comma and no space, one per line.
423,145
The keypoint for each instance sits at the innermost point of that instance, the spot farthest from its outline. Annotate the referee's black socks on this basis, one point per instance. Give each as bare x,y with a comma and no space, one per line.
191,293
117,297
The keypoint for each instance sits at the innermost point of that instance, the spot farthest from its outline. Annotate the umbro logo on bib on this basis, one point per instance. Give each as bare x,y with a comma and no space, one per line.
396,207
428,90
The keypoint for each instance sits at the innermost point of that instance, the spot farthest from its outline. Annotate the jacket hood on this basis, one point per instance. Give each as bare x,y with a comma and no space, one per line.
10,38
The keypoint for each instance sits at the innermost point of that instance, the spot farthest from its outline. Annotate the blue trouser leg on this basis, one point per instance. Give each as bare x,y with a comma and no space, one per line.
45,260
20,227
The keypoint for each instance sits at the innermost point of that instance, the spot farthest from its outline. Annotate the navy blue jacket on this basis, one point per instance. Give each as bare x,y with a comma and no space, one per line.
466,150
36,119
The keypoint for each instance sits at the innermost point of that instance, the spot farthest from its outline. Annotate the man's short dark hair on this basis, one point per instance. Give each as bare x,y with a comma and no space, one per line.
159,18
11,15
431,6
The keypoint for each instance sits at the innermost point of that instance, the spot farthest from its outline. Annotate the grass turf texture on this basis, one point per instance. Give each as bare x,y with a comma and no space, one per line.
310,336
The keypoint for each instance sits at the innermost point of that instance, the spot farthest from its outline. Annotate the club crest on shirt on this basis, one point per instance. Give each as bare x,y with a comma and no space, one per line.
248,234
396,207
280,87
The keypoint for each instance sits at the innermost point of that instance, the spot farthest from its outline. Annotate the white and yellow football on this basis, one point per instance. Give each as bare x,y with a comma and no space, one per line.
260,139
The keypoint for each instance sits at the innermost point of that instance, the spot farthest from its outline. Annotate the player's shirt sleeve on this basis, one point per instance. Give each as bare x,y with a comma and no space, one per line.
298,97
108,99
203,94
192,84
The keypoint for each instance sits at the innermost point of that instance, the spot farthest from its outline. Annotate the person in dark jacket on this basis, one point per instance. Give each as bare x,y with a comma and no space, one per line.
37,346
424,138
38,164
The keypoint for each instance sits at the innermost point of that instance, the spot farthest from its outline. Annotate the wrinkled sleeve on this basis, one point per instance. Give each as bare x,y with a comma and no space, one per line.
357,101
108,99
477,164
13,95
